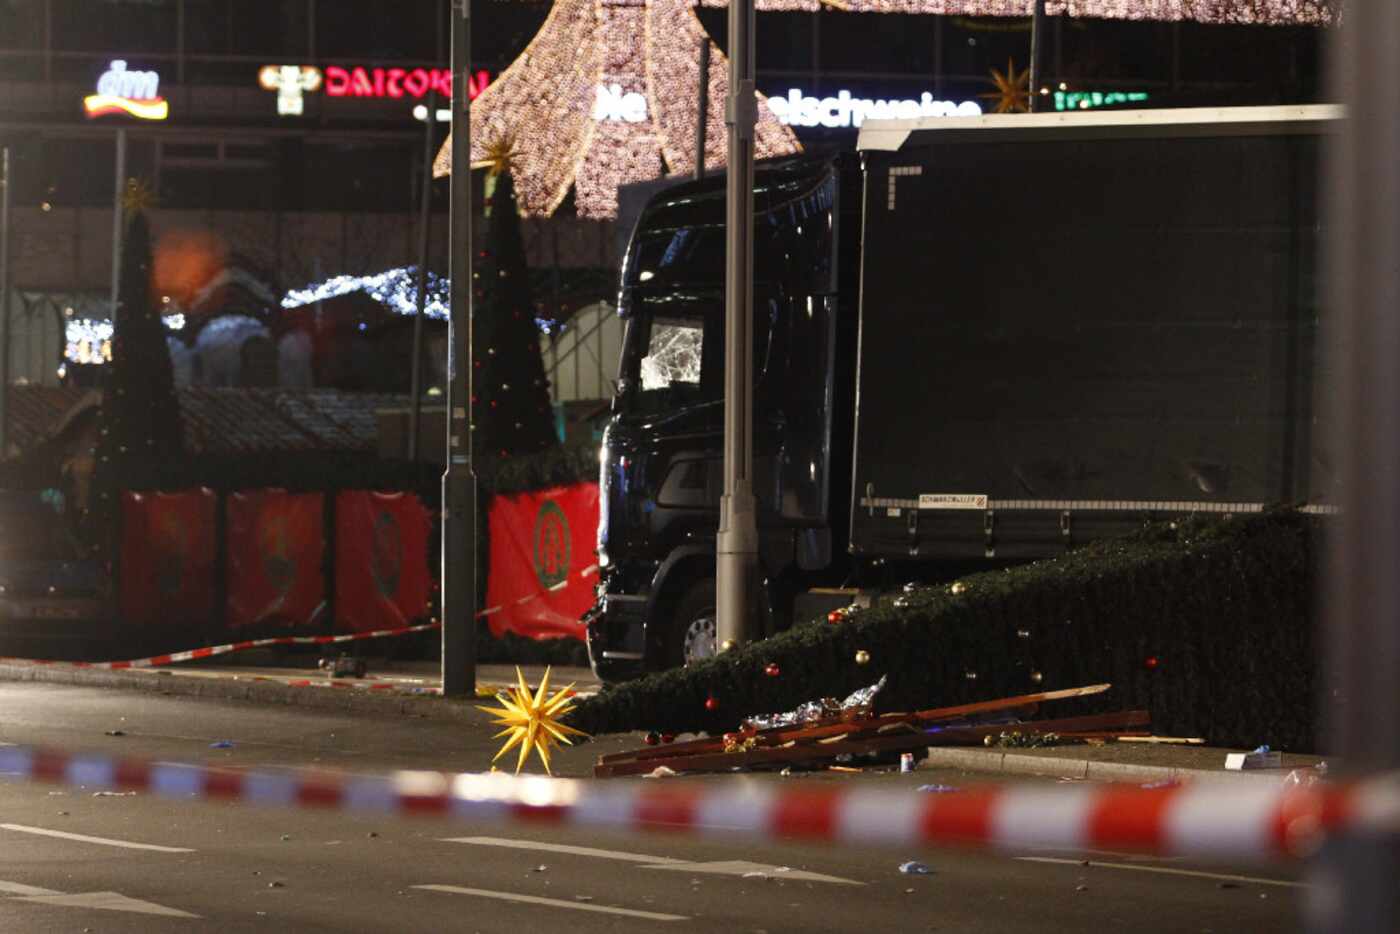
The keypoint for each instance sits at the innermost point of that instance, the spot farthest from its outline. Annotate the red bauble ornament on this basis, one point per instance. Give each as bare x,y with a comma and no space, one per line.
1151,662
668,737
652,739
772,670
835,616
711,704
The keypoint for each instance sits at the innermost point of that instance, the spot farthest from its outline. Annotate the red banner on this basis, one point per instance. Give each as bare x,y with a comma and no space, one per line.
167,558
276,548
381,560
542,540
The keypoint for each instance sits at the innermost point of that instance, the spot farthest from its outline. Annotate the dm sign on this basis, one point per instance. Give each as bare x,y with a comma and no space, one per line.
122,91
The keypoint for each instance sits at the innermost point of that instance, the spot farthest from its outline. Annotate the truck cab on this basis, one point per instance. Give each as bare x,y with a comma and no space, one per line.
660,471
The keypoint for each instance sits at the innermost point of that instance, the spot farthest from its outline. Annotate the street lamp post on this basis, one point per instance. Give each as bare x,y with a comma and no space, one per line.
737,542
459,482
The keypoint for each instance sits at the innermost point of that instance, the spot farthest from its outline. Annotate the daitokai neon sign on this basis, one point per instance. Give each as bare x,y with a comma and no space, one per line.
398,82
133,92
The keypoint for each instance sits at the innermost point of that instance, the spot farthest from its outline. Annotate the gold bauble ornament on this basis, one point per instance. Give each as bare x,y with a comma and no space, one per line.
957,588
862,657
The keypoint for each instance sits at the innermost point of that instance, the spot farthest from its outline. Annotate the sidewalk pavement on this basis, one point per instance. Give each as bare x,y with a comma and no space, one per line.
413,688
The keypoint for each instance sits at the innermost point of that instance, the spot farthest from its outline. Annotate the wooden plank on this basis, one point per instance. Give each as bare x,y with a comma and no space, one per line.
830,726
831,747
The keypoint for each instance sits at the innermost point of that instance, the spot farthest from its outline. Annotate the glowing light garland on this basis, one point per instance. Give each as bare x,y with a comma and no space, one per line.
89,341
396,289
570,135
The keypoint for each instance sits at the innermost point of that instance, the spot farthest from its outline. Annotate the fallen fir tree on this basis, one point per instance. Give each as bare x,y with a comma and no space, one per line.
1205,622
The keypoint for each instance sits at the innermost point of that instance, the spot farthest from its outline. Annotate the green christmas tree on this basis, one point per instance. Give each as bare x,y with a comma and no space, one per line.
510,394
139,427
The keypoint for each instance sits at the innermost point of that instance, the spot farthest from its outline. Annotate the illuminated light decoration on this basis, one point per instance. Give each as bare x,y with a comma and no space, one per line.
1088,100
89,341
291,82
628,49
398,82
1237,12
133,92
843,110
443,115
1013,90
396,289
648,47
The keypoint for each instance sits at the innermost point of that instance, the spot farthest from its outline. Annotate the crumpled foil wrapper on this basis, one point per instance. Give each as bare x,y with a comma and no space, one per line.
860,704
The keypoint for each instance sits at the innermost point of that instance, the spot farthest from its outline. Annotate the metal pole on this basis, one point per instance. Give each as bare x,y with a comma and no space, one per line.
459,482
117,221
702,118
1037,53
6,194
1355,887
424,228
737,543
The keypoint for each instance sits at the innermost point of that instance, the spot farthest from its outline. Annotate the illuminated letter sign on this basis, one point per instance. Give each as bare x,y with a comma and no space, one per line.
1088,100
133,92
843,110
398,82
290,82
612,104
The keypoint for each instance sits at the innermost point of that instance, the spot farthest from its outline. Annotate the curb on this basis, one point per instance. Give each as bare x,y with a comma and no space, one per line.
1012,763
262,692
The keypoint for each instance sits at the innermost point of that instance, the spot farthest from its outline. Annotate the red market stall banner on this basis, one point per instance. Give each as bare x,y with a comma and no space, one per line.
538,540
381,560
168,556
276,551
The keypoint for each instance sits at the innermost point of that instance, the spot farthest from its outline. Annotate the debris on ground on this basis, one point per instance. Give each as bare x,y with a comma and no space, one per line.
116,732
1015,739
937,789
344,666
846,735
912,868
114,794
1261,758
221,744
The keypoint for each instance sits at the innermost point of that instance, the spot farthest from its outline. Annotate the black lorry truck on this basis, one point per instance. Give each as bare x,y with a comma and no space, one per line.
977,341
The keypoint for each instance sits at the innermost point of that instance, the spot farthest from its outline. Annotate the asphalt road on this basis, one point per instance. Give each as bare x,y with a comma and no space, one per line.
71,861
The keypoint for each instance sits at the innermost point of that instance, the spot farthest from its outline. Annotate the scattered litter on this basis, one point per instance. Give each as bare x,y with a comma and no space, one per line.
936,789
540,868
824,733
583,898
57,794
661,771
1303,778
908,891
372,834
114,794
783,869
277,885
116,732
1228,885
221,744
286,837
1261,758
912,868
906,762
1081,888
62,813
1164,783
756,875
845,768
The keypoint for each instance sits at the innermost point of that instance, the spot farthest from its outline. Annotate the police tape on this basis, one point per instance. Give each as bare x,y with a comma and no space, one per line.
210,651
1203,820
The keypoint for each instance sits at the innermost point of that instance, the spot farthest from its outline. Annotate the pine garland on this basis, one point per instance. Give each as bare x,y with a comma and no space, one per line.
1207,623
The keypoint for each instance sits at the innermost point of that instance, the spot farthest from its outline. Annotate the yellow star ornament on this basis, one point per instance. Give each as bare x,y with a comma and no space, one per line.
1013,90
532,721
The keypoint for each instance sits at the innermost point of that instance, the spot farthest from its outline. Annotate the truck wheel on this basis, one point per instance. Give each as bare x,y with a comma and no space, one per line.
693,631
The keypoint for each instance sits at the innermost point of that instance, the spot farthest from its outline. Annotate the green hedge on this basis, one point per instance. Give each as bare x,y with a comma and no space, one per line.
1220,605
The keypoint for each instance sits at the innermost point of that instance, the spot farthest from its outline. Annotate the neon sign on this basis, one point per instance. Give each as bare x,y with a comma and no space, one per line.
398,82
843,110
1088,100
134,92
290,82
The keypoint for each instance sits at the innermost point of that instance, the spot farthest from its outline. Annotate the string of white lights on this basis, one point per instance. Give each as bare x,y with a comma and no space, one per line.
1239,12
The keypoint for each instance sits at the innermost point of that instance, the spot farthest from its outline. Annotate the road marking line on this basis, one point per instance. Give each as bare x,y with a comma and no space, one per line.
104,841
15,888
562,848
106,901
726,867
553,902
1164,870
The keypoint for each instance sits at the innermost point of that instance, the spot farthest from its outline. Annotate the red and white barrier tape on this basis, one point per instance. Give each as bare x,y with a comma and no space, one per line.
209,651
1209,819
